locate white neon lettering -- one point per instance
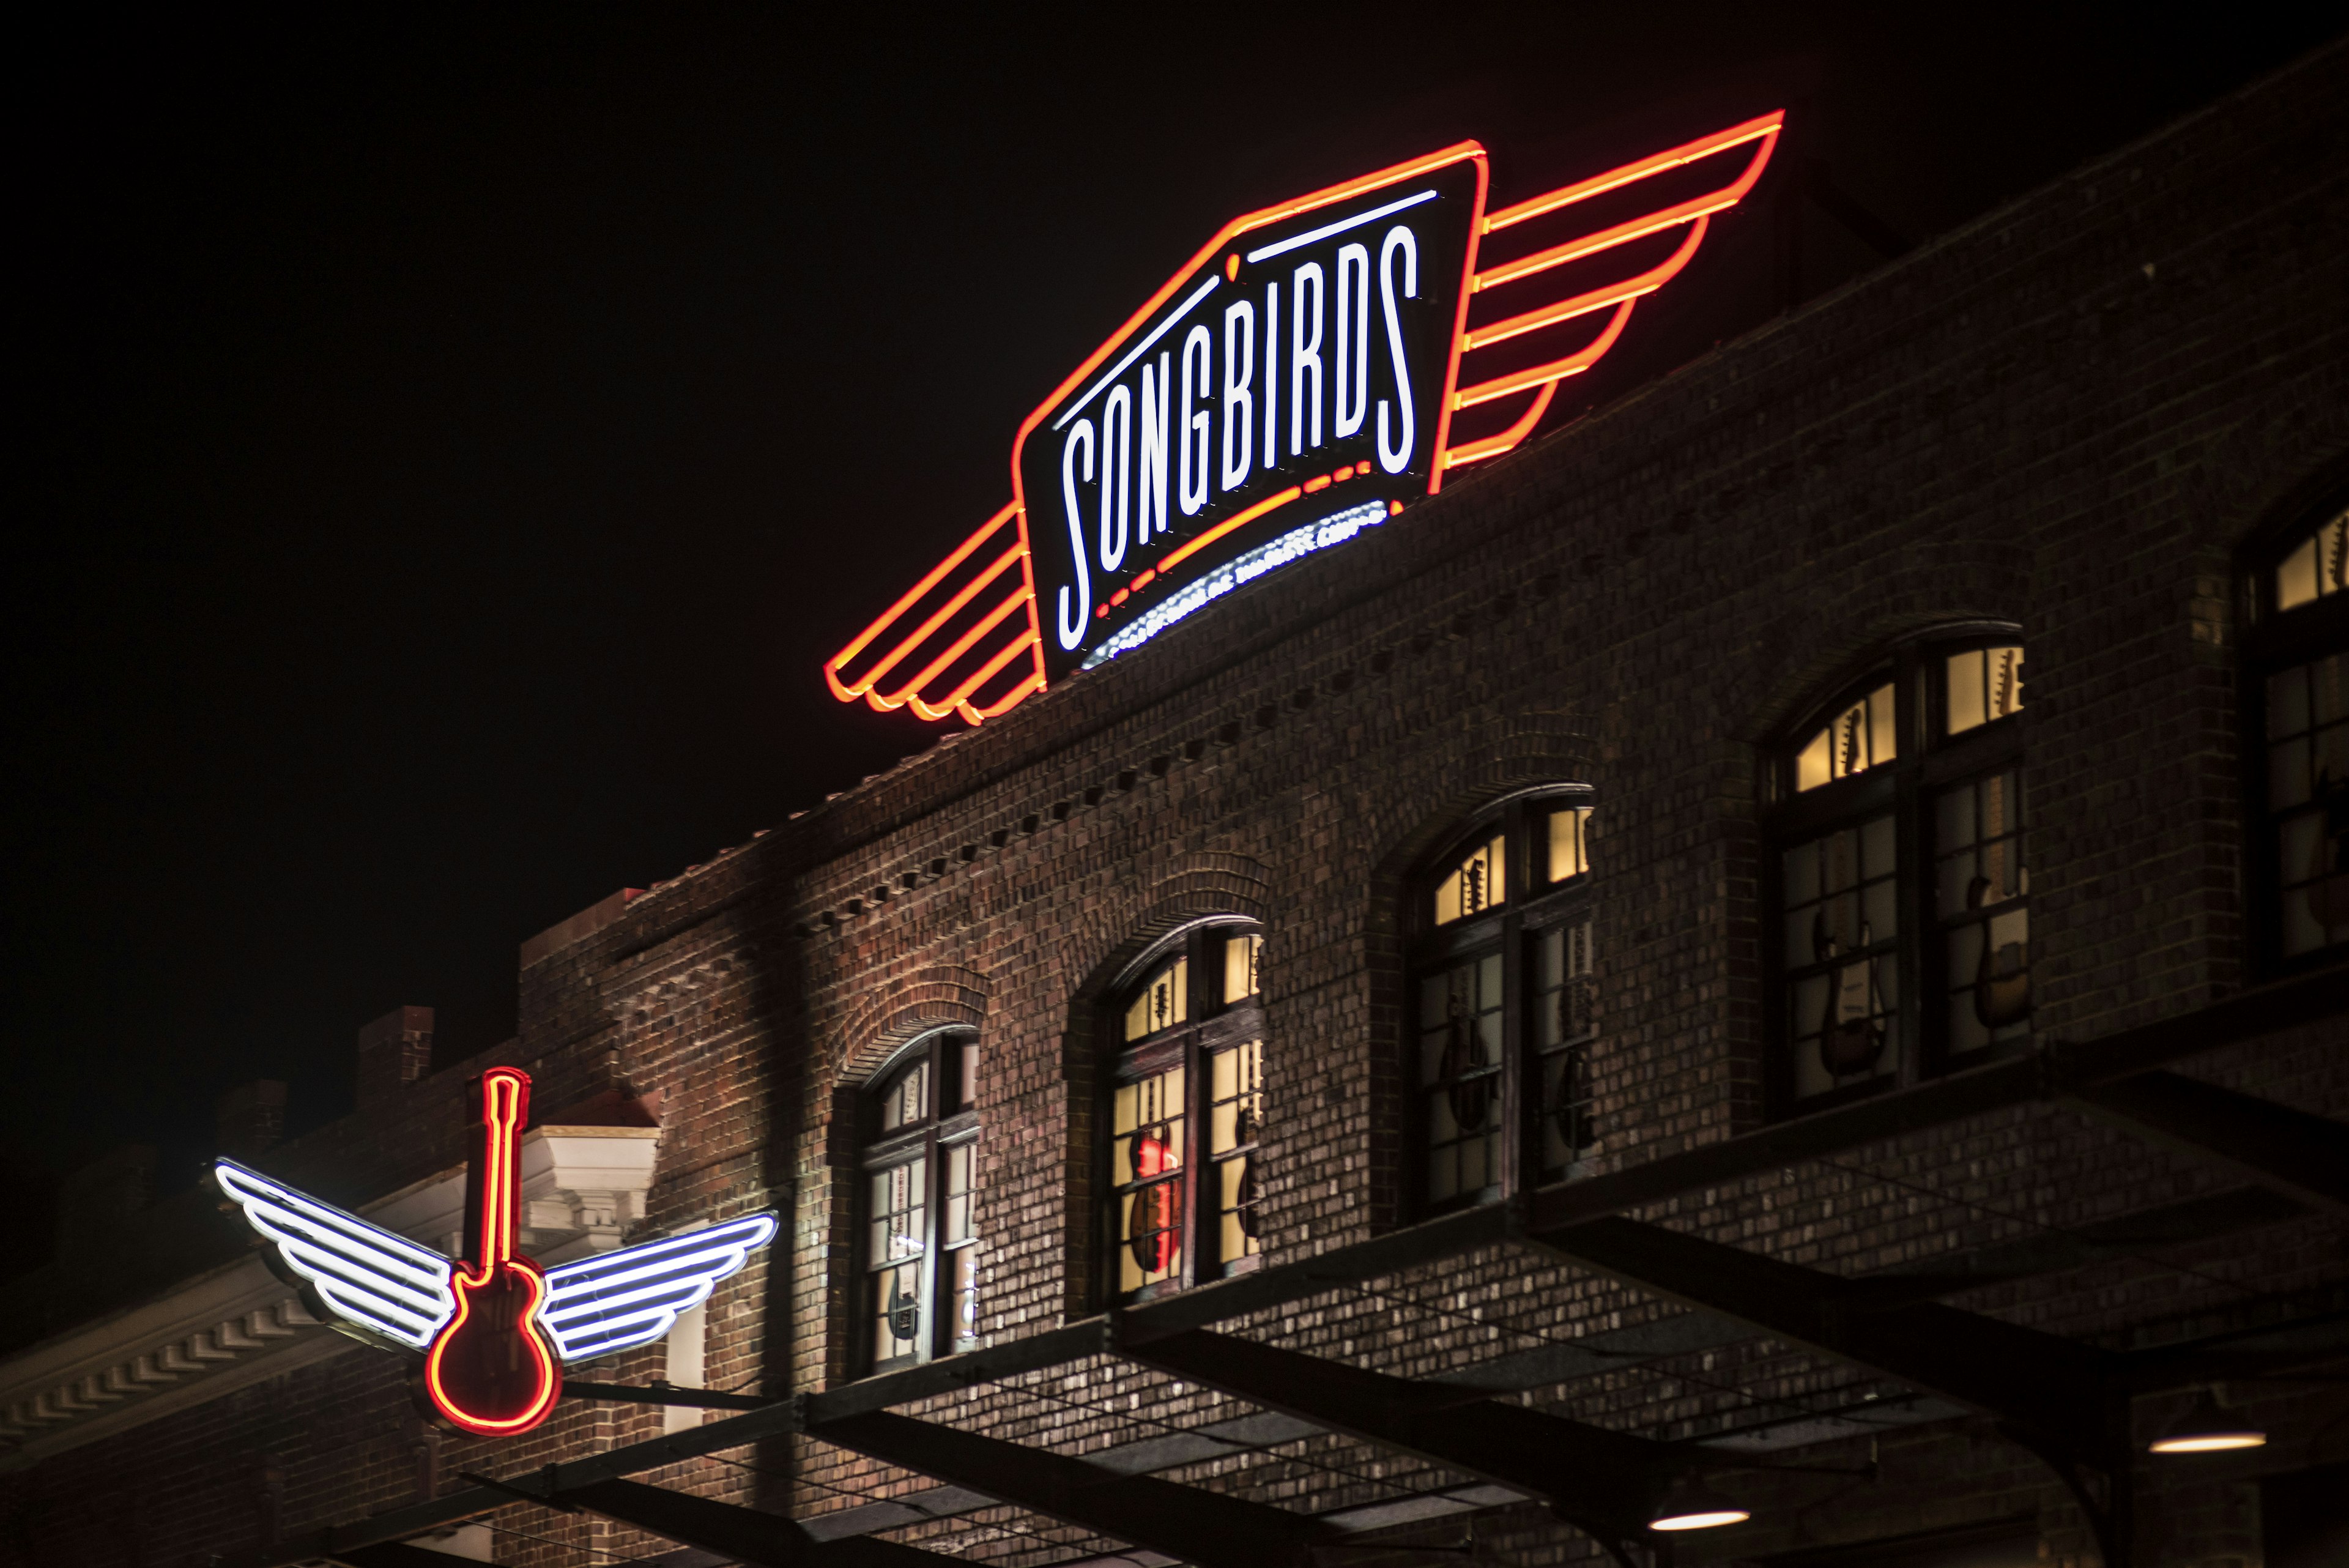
(1240, 401)
(1156, 430)
(1339, 227)
(1139, 350)
(1354, 341)
(1304, 356)
(1195, 424)
(1398, 238)
(1072, 630)
(1117, 473)
(1271, 376)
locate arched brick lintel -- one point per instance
(927, 1000)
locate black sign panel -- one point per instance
(1284, 392)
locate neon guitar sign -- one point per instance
(492, 1331)
(491, 1370)
(1298, 379)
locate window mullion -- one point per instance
(1913, 866)
(1195, 1143)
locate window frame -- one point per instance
(1210, 1027)
(1529, 910)
(1926, 764)
(2273, 639)
(939, 1132)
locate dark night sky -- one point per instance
(448, 443)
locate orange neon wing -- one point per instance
(963, 640)
(1571, 298)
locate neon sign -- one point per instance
(1299, 379)
(493, 1330)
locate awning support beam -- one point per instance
(1582, 1471)
(2304, 1156)
(1211, 1529)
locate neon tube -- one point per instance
(1228, 523)
(1572, 365)
(906, 600)
(1648, 282)
(1339, 227)
(1687, 152)
(1633, 228)
(1137, 351)
(1494, 445)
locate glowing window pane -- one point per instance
(2308, 800)
(1235, 1115)
(1146, 1127)
(967, 1075)
(1841, 917)
(1473, 886)
(906, 1100)
(1460, 1077)
(1861, 737)
(1563, 1016)
(1164, 1002)
(893, 1252)
(961, 1161)
(1980, 888)
(2317, 569)
(1569, 843)
(958, 1238)
(1983, 684)
(897, 1312)
(1240, 955)
(963, 1275)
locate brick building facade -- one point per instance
(1590, 1138)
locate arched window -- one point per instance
(920, 1286)
(1899, 876)
(1503, 995)
(2296, 663)
(1186, 1103)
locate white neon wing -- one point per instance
(371, 1278)
(618, 1301)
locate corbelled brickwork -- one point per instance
(2069, 416)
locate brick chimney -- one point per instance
(394, 1052)
(249, 1118)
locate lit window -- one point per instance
(1861, 737)
(1842, 925)
(1982, 684)
(1473, 886)
(2297, 664)
(1191, 1055)
(1162, 1002)
(1564, 1018)
(1899, 868)
(1504, 913)
(2315, 568)
(921, 1225)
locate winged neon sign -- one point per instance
(493, 1329)
(1305, 374)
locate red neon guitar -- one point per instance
(490, 1369)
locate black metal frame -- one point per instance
(1213, 1026)
(929, 1139)
(1925, 764)
(1531, 911)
